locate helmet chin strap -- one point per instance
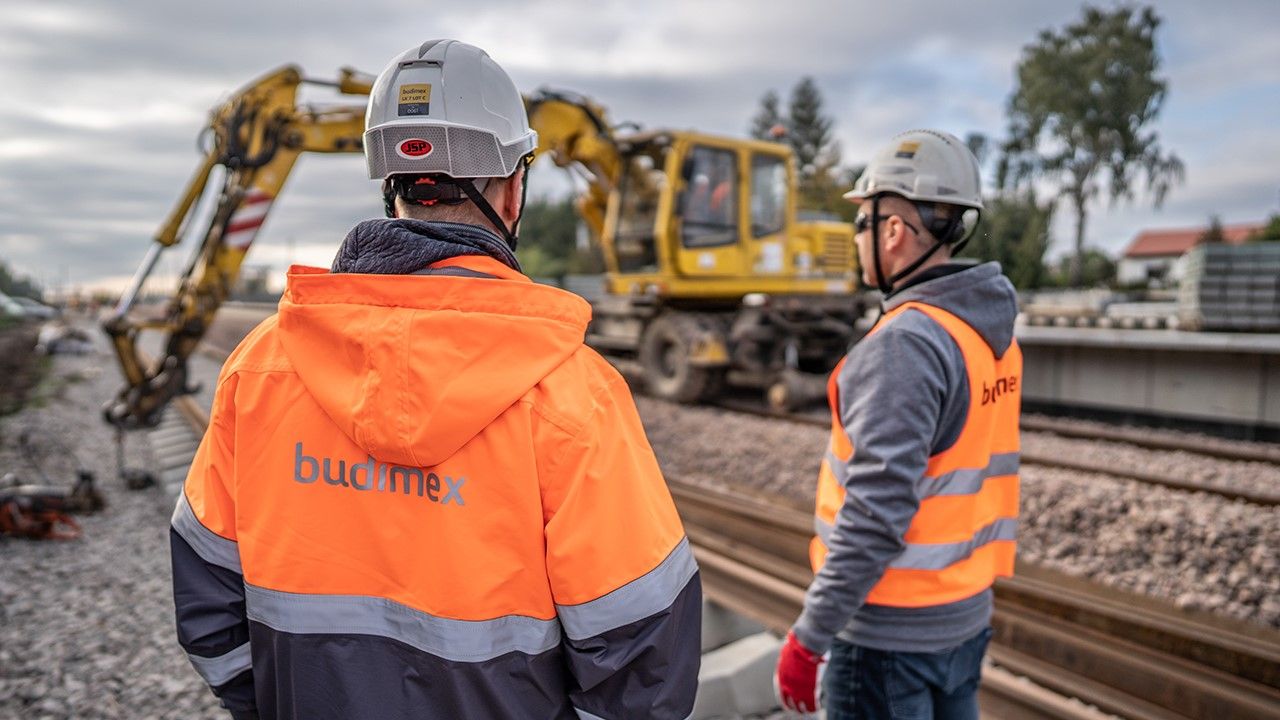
(508, 233)
(885, 285)
(482, 202)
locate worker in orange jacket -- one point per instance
(917, 501)
(420, 495)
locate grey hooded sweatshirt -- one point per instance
(904, 397)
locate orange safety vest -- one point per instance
(963, 535)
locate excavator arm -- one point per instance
(574, 132)
(257, 136)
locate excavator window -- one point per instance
(711, 199)
(768, 195)
(639, 190)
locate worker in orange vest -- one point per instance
(917, 501)
(420, 494)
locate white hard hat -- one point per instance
(446, 107)
(923, 166)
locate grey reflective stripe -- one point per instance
(224, 668)
(823, 530)
(968, 481)
(210, 546)
(584, 715)
(921, 556)
(457, 640)
(454, 270)
(835, 463)
(647, 595)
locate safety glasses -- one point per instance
(862, 222)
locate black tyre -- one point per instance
(664, 355)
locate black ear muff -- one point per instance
(946, 229)
(389, 197)
(949, 230)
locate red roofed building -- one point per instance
(1154, 254)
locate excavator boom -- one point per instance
(256, 137)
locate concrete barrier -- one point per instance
(737, 679)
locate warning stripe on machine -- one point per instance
(246, 220)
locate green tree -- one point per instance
(768, 118)
(808, 130)
(1097, 269)
(1015, 232)
(980, 145)
(1269, 232)
(548, 238)
(1213, 234)
(817, 152)
(15, 286)
(1082, 112)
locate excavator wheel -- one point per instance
(665, 348)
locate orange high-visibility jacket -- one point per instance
(423, 496)
(963, 534)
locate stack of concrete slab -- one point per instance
(1231, 287)
(174, 444)
(738, 658)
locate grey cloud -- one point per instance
(87, 189)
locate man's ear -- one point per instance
(511, 196)
(895, 237)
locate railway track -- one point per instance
(1124, 655)
(1083, 648)
(1153, 440)
(1086, 465)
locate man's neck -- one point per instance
(939, 257)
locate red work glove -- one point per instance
(796, 679)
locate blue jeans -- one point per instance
(866, 683)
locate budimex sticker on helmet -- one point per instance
(415, 99)
(907, 150)
(412, 126)
(413, 148)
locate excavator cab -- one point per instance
(710, 276)
(697, 217)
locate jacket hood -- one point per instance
(412, 367)
(980, 295)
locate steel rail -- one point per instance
(1118, 653)
(1124, 654)
(1223, 450)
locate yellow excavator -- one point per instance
(710, 276)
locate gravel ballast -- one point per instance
(86, 625)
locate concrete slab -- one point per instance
(177, 459)
(721, 626)
(737, 679)
(171, 420)
(172, 445)
(171, 480)
(161, 437)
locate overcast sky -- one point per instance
(103, 99)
